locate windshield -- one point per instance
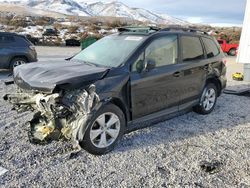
(109, 51)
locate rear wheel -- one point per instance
(232, 52)
(208, 99)
(104, 130)
(17, 61)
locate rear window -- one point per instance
(191, 48)
(211, 47)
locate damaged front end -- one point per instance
(57, 115)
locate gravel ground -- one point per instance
(175, 153)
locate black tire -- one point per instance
(232, 52)
(87, 143)
(15, 60)
(203, 109)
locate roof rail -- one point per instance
(8, 33)
(184, 29)
(149, 29)
(152, 29)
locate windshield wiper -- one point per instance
(90, 63)
(86, 62)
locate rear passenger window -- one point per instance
(211, 47)
(191, 48)
(6, 39)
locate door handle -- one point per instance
(177, 74)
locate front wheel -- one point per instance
(208, 100)
(104, 130)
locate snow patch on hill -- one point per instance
(85, 8)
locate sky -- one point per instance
(214, 12)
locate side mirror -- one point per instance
(150, 65)
(140, 66)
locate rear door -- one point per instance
(193, 68)
(157, 89)
(6, 43)
(214, 58)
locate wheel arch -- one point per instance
(17, 56)
(217, 83)
(232, 48)
(119, 103)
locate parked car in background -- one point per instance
(50, 32)
(120, 83)
(33, 40)
(72, 42)
(228, 48)
(15, 50)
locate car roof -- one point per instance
(9, 33)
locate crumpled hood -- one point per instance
(46, 77)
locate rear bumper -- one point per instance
(223, 77)
(223, 82)
(32, 56)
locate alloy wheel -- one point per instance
(209, 99)
(105, 130)
(18, 62)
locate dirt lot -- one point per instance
(169, 154)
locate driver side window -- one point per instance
(163, 51)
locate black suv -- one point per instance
(15, 50)
(122, 82)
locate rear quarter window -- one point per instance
(191, 48)
(21, 42)
(211, 47)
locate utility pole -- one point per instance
(244, 47)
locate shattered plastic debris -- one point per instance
(2, 171)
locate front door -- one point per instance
(156, 89)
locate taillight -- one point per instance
(32, 48)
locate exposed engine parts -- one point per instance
(58, 115)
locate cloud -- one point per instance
(195, 19)
(196, 11)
